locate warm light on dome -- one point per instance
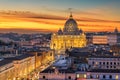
(70, 37)
(71, 27)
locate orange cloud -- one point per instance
(28, 20)
(22, 14)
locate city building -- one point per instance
(101, 67)
(69, 37)
(118, 38)
(116, 48)
(63, 62)
(118, 35)
(55, 74)
(25, 66)
(59, 70)
(112, 39)
(104, 62)
(7, 70)
(100, 39)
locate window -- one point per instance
(92, 62)
(103, 76)
(97, 76)
(114, 66)
(118, 63)
(69, 77)
(103, 63)
(84, 75)
(107, 66)
(100, 63)
(116, 77)
(110, 66)
(78, 75)
(43, 77)
(91, 76)
(114, 63)
(111, 63)
(107, 63)
(50, 54)
(110, 76)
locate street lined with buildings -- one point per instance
(69, 54)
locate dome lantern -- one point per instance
(71, 15)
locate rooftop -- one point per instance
(10, 59)
(105, 70)
(50, 70)
(4, 62)
(19, 57)
(104, 57)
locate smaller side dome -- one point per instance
(80, 31)
(60, 32)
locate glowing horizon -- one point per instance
(47, 16)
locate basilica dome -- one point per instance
(60, 32)
(71, 27)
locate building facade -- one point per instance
(100, 39)
(112, 39)
(104, 62)
(7, 70)
(107, 38)
(69, 37)
(101, 68)
(25, 66)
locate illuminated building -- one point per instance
(21, 67)
(115, 48)
(107, 38)
(6, 70)
(103, 62)
(16, 68)
(118, 35)
(47, 57)
(60, 70)
(112, 39)
(42, 58)
(69, 37)
(101, 68)
(100, 39)
(53, 74)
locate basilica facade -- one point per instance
(71, 36)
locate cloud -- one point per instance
(52, 20)
(31, 15)
(96, 20)
(26, 31)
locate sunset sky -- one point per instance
(30, 16)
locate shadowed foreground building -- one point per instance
(101, 68)
(60, 70)
(25, 66)
(15, 68)
(55, 74)
(69, 37)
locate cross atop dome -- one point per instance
(71, 15)
(70, 10)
